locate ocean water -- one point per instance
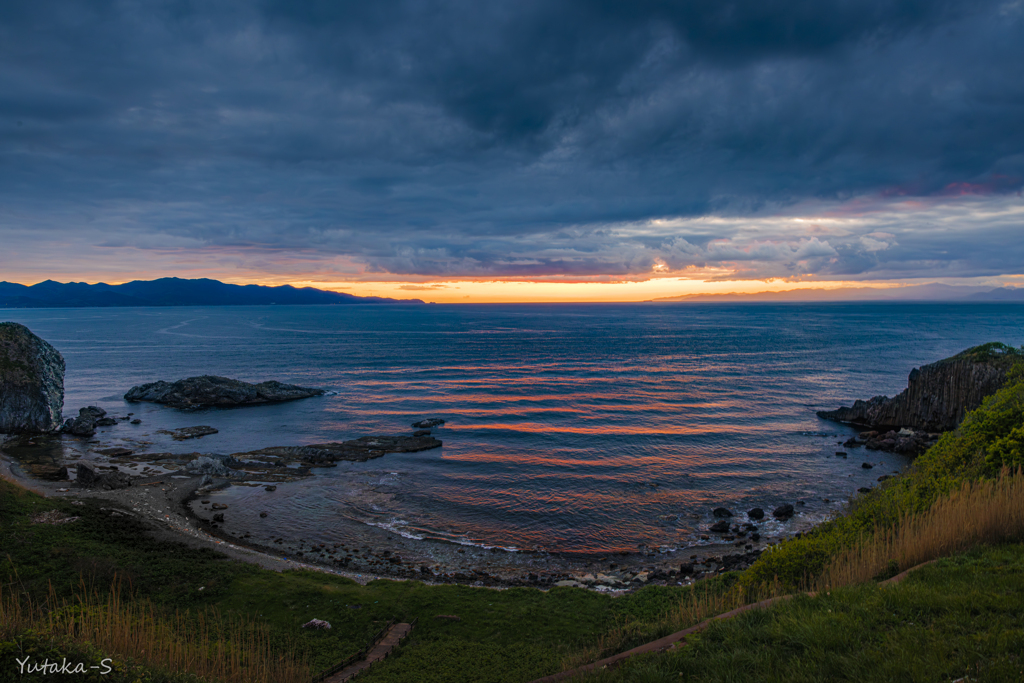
(578, 429)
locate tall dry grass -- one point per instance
(232, 650)
(980, 513)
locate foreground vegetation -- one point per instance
(961, 619)
(101, 587)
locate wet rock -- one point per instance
(219, 506)
(421, 432)
(884, 477)
(219, 517)
(783, 512)
(263, 515)
(864, 489)
(136, 421)
(721, 512)
(214, 391)
(86, 475)
(428, 423)
(720, 527)
(866, 465)
(116, 452)
(363, 448)
(270, 488)
(86, 422)
(755, 513)
(31, 382)
(106, 422)
(183, 433)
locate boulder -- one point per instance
(86, 422)
(86, 475)
(719, 527)
(31, 382)
(783, 512)
(722, 512)
(213, 464)
(755, 513)
(427, 424)
(213, 391)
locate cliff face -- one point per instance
(937, 395)
(31, 382)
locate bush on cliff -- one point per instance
(989, 439)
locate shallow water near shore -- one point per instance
(584, 430)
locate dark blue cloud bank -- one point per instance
(829, 138)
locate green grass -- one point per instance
(963, 616)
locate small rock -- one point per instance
(428, 423)
(219, 517)
(842, 453)
(318, 624)
(864, 489)
(421, 432)
(263, 514)
(270, 488)
(720, 527)
(755, 513)
(136, 421)
(219, 506)
(722, 512)
(783, 512)
(866, 465)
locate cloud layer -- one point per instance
(519, 139)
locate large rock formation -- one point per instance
(938, 395)
(210, 390)
(31, 382)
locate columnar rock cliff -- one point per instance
(31, 382)
(937, 395)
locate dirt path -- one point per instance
(678, 639)
(377, 653)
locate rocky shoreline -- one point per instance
(178, 496)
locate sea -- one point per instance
(576, 429)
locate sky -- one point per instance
(520, 150)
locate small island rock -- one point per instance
(213, 391)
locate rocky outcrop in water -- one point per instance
(221, 392)
(937, 395)
(31, 382)
(363, 448)
(87, 421)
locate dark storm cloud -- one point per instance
(513, 139)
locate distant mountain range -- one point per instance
(929, 292)
(172, 291)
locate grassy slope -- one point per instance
(963, 616)
(509, 635)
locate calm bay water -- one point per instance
(577, 428)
